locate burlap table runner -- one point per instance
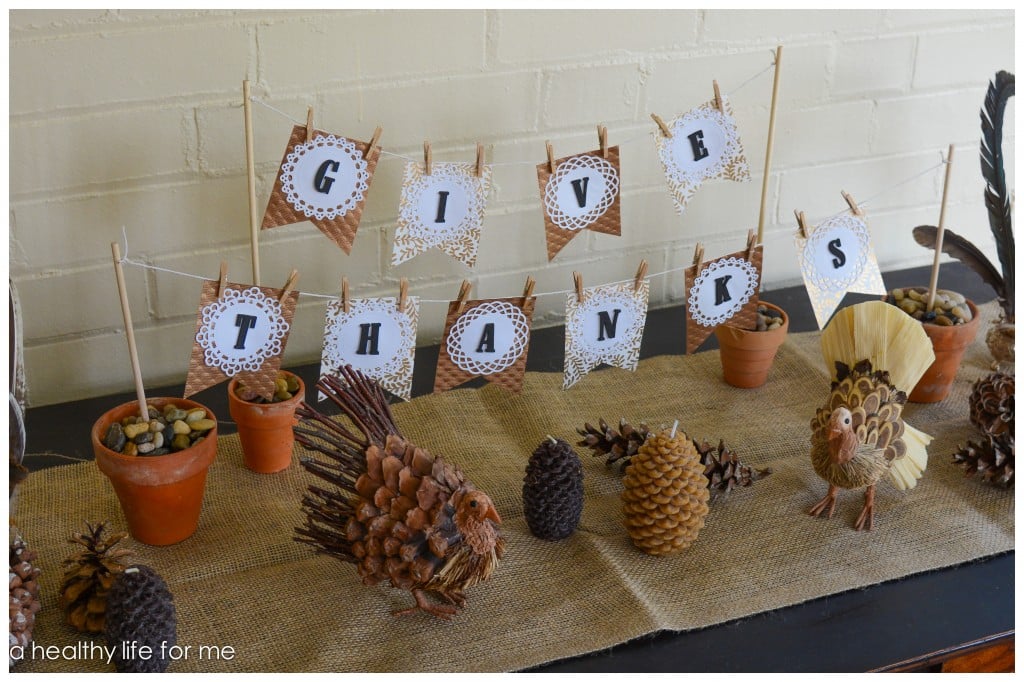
(241, 581)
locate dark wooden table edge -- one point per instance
(943, 655)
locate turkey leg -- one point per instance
(868, 514)
(827, 502)
(424, 604)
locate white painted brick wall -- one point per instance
(133, 118)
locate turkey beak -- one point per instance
(492, 514)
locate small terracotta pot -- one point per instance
(161, 496)
(265, 429)
(949, 344)
(747, 355)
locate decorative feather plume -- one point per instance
(967, 253)
(997, 199)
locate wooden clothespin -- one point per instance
(479, 160)
(463, 295)
(344, 294)
(223, 282)
(801, 221)
(665, 130)
(718, 97)
(551, 156)
(374, 141)
(851, 203)
(293, 277)
(751, 243)
(698, 256)
(426, 157)
(309, 125)
(641, 273)
(577, 280)
(528, 289)
(403, 293)
(602, 140)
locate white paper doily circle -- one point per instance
(560, 196)
(219, 331)
(346, 184)
(817, 261)
(584, 325)
(741, 286)
(511, 335)
(720, 139)
(462, 208)
(396, 335)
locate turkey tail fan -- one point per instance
(997, 199)
(967, 253)
(908, 469)
(883, 334)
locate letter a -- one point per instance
(721, 292)
(579, 187)
(369, 335)
(244, 324)
(486, 344)
(840, 257)
(606, 324)
(697, 143)
(322, 182)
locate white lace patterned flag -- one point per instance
(241, 330)
(702, 144)
(722, 290)
(579, 193)
(604, 324)
(377, 336)
(324, 179)
(486, 338)
(442, 208)
(837, 257)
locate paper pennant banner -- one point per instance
(324, 181)
(605, 327)
(376, 337)
(705, 144)
(489, 338)
(444, 209)
(836, 258)
(241, 333)
(581, 194)
(722, 290)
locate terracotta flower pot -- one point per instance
(161, 496)
(265, 429)
(949, 344)
(747, 355)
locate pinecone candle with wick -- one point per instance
(666, 494)
(88, 576)
(394, 510)
(553, 490)
(140, 609)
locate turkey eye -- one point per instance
(846, 421)
(473, 504)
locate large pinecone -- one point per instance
(990, 456)
(140, 609)
(992, 403)
(666, 494)
(88, 576)
(723, 468)
(24, 596)
(553, 490)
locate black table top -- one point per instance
(853, 631)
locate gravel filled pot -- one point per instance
(951, 330)
(747, 354)
(161, 495)
(265, 428)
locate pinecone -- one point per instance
(992, 403)
(991, 456)
(553, 490)
(140, 609)
(618, 445)
(723, 468)
(88, 576)
(666, 494)
(24, 593)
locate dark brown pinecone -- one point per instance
(992, 403)
(140, 609)
(619, 445)
(723, 468)
(88, 575)
(990, 456)
(553, 490)
(24, 597)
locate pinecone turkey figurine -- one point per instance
(878, 353)
(394, 510)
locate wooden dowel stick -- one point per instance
(250, 167)
(940, 232)
(771, 145)
(129, 332)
